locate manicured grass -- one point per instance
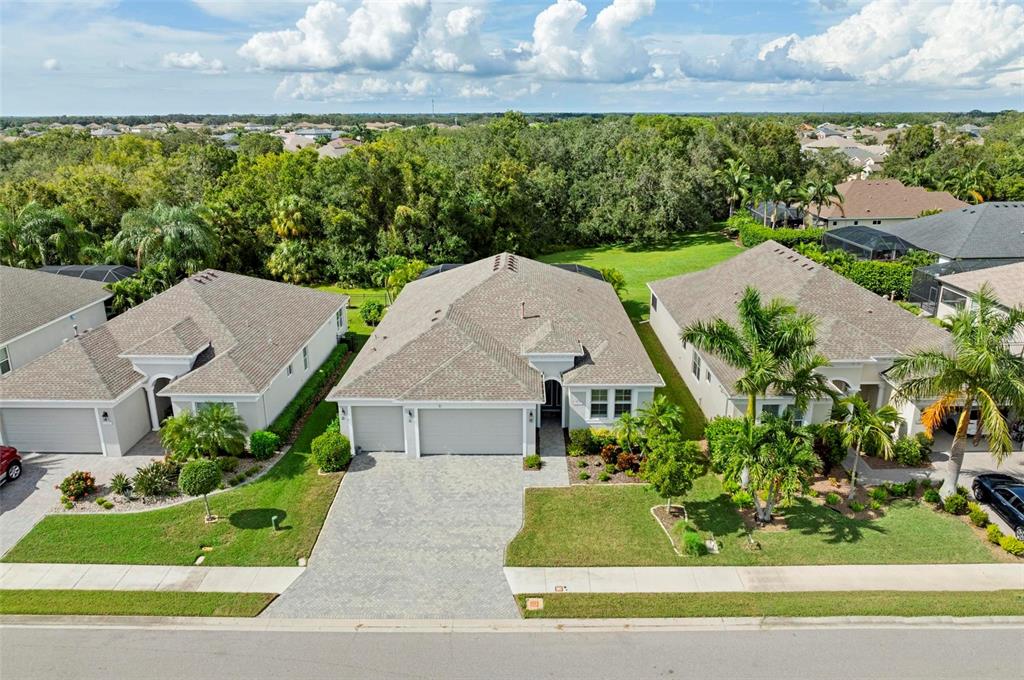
(357, 296)
(675, 389)
(691, 252)
(244, 536)
(131, 603)
(867, 603)
(613, 526)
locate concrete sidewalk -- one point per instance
(147, 577)
(949, 577)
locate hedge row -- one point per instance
(752, 232)
(304, 400)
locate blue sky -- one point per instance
(234, 56)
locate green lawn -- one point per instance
(357, 296)
(675, 390)
(639, 265)
(292, 490)
(613, 526)
(866, 603)
(131, 603)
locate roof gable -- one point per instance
(30, 299)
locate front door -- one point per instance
(552, 396)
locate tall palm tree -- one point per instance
(71, 241)
(805, 382)
(170, 233)
(736, 177)
(978, 371)
(661, 415)
(971, 183)
(36, 235)
(780, 192)
(765, 346)
(822, 194)
(760, 192)
(860, 426)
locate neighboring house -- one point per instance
(214, 337)
(294, 142)
(987, 230)
(338, 147)
(969, 129)
(859, 332)
(467, 360)
(39, 311)
(105, 273)
(880, 202)
(959, 290)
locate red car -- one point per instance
(10, 464)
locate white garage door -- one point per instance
(378, 428)
(470, 430)
(65, 430)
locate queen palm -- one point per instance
(219, 429)
(769, 341)
(170, 233)
(780, 192)
(860, 426)
(760, 192)
(736, 177)
(979, 370)
(822, 194)
(661, 415)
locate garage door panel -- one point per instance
(62, 430)
(378, 428)
(471, 431)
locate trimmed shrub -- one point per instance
(371, 312)
(121, 484)
(603, 438)
(532, 462)
(77, 485)
(581, 442)
(199, 477)
(977, 515)
(717, 431)
(306, 397)
(582, 463)
(908, 451)
(880, 494)
(902, 490)
(925, 441)
(833, 498)
(263, 444)
(228, 463)
(856, 507)
(743, 499)
(331, 451)
(993, 533)
(693, 544)
(627, 460)
(610, 469)
(1012, 545)
(875, 505)
(753, 233)
(584, 476)
(955, 505)
(604, 476)
(932, 496)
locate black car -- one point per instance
(1005, 495)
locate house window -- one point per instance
(654, 302)
(5, 361)
(856, 222)
(770, 410)
(623, 402)
(695, 366)
(339, 318)
(288, 370)
(795, 416)
(835, 224)
(598, 404)
(305, 358)
(876, 221)
(707, 375)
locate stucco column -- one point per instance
(154, 419)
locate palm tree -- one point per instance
(769, 341)
(971, 183)
(822, 194)
(805, 382)
(627, 431)
(219, 429)
(289, 218)
(71, 241)
(170, 233)
(780, 192)
(979, 371)
(31, 235)
(760, 192)
(736, 177)
(860, 426)
(661, 415)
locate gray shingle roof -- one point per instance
(853, 323)
(184, 338)
(985, 230)
(460, 336)
(254, 328)
(1007, 282)
(30, 299)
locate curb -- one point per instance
(510, 625)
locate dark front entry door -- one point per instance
(552, 396)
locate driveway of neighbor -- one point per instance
(27, 499)
(417, 538)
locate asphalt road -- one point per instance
(877, 652)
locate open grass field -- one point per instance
(244, 536)
(862, 603)
(131, 603)
(690, 253)
(613, 526)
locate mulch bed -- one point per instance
(594, 467)
(882, 464)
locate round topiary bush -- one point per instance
(331, 451)
(199, 477)
(263, 444)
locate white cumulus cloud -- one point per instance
(192, 61)
(343, 87)
(379, 34)
(51, 64)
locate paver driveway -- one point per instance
(417, 538)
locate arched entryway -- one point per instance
(552, 397)
(162, 404)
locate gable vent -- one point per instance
(513, 263)
(497, 263)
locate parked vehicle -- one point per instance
(972, 424)
(10, 464)
(1005, 495)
